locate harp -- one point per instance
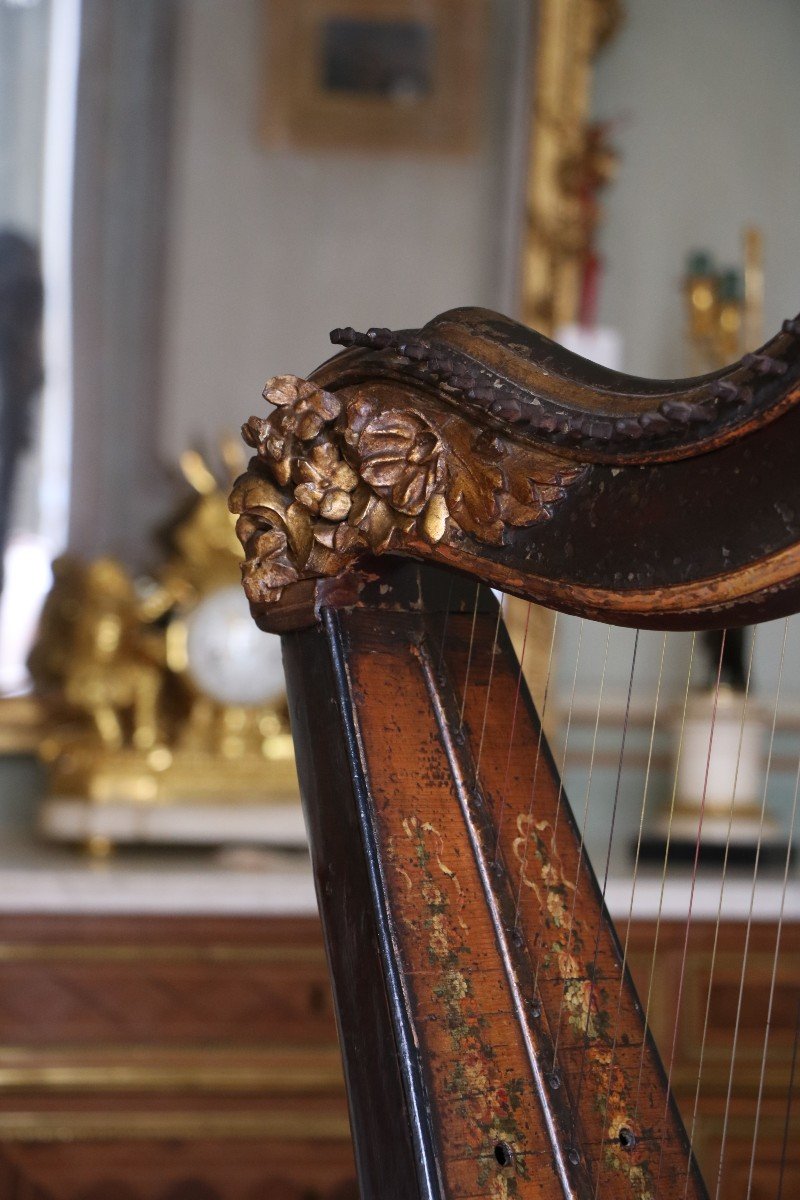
(494, 1043)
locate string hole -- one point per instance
(535, 1009)
(554, 1079)
(573, 1156)
(504, 1155)
(626, 1138)
(316, 998)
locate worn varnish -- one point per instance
(494, 1045)
(518, 1036)
(479, 445)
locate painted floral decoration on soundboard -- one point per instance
(334, 477)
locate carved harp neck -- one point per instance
(494, 1045)
(481, 446)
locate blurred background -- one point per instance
(192, 194)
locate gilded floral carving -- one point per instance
(400, 456)
(324, 482)
(335, 476)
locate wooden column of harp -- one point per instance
(493, 1042)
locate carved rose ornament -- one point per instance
(335, 476)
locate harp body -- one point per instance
(493, 1042)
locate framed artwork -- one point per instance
(375, 75)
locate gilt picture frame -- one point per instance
(375, 75)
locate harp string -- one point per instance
(581, 847)
(528, 839)
(469, 652)
(614, 809)
(565, 754)
(718, 921)
(533, 783)
(746, 948)
(629, 922)
(492, 658)
(692, 890)
(765, 1047)
(652, 969)
(444, 624)
(789, 1097)
(504, 793)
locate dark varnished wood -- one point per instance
(457, 900)
(152, 1058)
(692, 524)
(392, 1151)
(515, 376)
(511, 1021)
(715, 957)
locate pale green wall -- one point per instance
(704, 98)
(269, 249)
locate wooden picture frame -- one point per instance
(568, 35)
(375, 75)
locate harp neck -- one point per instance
(477, 445)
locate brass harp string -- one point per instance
(584, 822)
(445, 623)
(542, 715)
(520, 675)
(614, 809)
(492, 659)
(692, 891)
(642, 810)
(718, 921)
(653, 956)
(469, 652)
(562, 768)
(748, 929)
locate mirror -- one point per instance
(189, 250)
(38, 64)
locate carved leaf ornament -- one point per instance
(336, 476)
